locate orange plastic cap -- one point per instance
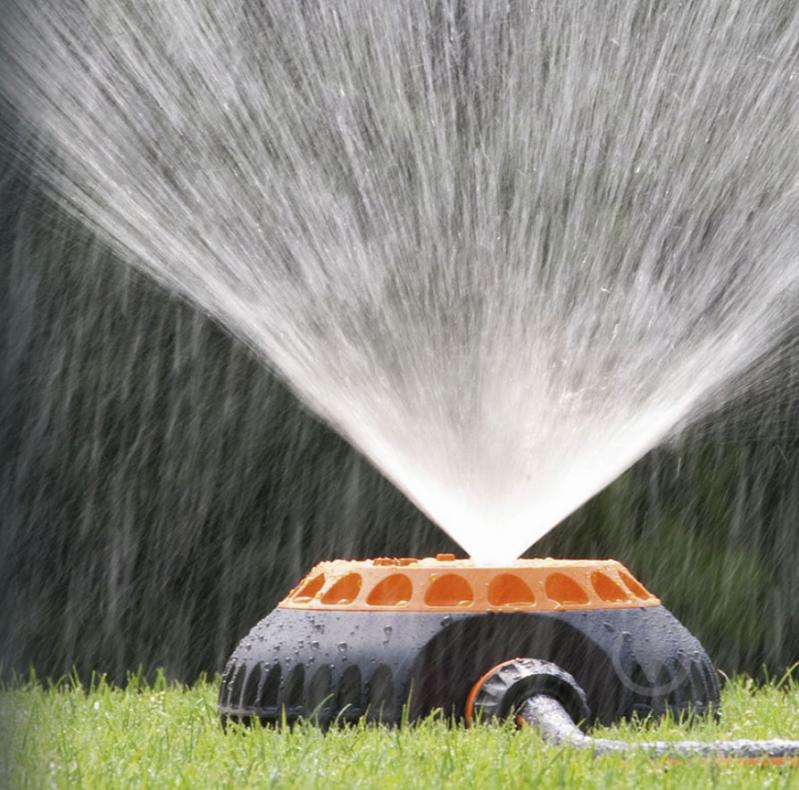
(447, 584)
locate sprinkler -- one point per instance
(559, 644)
(369, 638)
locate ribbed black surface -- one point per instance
(337, 665)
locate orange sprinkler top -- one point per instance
(443, 583)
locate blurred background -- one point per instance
(160, 490)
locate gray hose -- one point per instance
(551, 720)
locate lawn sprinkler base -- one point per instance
(388, 638)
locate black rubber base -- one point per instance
(338, 665)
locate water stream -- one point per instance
(504, 248)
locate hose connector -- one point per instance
(545, 697)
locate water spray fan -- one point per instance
(559, 644)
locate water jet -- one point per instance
(505, 249)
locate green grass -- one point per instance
(166, 735)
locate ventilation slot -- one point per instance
(349, 693)
(309, 590)
(712, 681)
(508, 589)
(237, 686)
(320, 692)
(449, 590)
(700, 689)
(250, 696)
(395, 590)
(381, 693)
(607, 589)
(344, 591)
(633, 586)
(680, 692)
(294, 687)
(563, 589)
(270, 689)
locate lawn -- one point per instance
(165, 735)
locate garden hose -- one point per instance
(553, 723)
(548, 699)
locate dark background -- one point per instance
(160, 490)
